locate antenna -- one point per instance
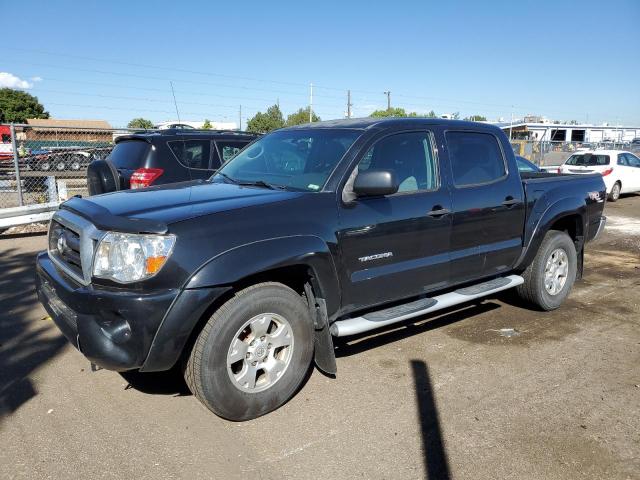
(184, 144)
(174, 101)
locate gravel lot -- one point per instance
(452, 396)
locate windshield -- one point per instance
(588, 160)
(525, 165)
(295, 159)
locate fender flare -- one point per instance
(541, 220)
(242, 261)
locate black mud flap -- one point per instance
(324, 355)
(580, 269)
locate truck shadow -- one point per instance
(436, 463)
(170, 382)
(26, 343)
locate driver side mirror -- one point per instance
(375, 183)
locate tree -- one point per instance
(266, 122)
(17, 106)
(207, 124)
(140, 123)
(455, 115)
(476, 118)
(393, 112)
(431, 114)
(300, 117)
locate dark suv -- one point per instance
(153, 158)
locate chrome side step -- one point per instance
(373, 320)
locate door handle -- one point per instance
(510, 202)
(438, 212)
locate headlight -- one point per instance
(127, 257)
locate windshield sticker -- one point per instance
(313, 186)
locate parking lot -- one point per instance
(490, 390)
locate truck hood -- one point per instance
(171, 203)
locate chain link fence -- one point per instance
(546, 153)
(41, 165)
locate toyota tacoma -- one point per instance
(312, 232)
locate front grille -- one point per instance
(72, 240)
(64, 246)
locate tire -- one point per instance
(44, 166)
(534, 289)
(219, 384)
(76, 163)
(615, 192)
(60, 165)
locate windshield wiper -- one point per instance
(261, 183)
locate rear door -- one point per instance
(128, 156)
(633, 166)
(488, 206)
(396, 246)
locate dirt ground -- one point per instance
(482, 392)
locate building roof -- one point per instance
(519, 124)
(58, 123)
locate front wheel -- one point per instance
(549, 278)
(253, 353)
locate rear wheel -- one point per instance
(615, 192)
(253, 354)
(549, 278)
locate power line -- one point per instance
(163, 79)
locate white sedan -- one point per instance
(620, 170)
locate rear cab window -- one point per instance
(192, 153)
(476, 158)
(129, 154)
(588, 160)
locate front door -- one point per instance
(397, 246)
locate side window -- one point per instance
(622, 160)
(229, 148)
(632, 160)
(409, 155)
(475, 158)
(192, 153)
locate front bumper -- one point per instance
(113, 328)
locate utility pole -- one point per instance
(388, 94)
(349, 104)
(310, 102)
(240, 117)
(511, 124)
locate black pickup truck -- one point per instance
(312, 232)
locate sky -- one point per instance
(566, 60)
